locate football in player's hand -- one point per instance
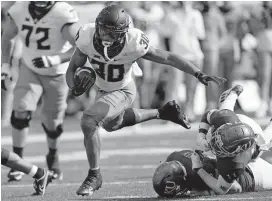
(84, 79)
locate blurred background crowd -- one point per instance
(227, 39)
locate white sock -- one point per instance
(33, 171)
(229, 102)
(95, 168)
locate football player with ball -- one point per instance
(112, 48)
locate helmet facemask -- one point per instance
(225, 149)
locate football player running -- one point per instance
(179, 176)
(41, 176)
(45, 27)
(112, 48)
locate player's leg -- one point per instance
(42, 176)
(106, 108)
(262, 172)
(53, 111)
(132, 116)
(7, 96)
(267, 156)
(26, 95)
(191, 85)
(229, 97)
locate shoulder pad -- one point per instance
(66, 12)
(138, 41)
(15, 10)
(84, 36)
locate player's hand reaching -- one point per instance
(205, 79)
(46, 61)
(6, 77)
(197, 158)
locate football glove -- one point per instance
(205, 79)
(197, 158)
(202, 142)
(80, 87)
(46, 61)
(6, 78)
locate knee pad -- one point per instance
(20, 123)
(53, 134)
(4, 156)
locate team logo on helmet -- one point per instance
(169, 179)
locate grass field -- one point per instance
(128, 161)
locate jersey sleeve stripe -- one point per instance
(204, 125)
(204, 131)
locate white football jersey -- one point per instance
(43, 37)
(117, 73)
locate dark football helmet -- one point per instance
(231, 139)
(41, 6)
(111, 24)
(169, 179)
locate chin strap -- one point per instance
(106, 45)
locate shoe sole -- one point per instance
(226, 93)
(85, 194)
(45, 183)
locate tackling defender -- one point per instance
(42, 176)
(112, 47)
(177, 175)
(235, 140)
(237, 147)
(45, 27)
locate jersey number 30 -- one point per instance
(109, 72)
(44, 31)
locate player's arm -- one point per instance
(219, 186)
(9, 32)
(78, 59)
(204, 126)
(177, 61)
(69, 31)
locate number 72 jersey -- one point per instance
(116, 73)
(42, 37)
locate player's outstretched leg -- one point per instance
(132, 116)
(42, 176)
(228, 98)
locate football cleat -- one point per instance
(171, 112)
(92, 182)
(41, 184)
(53, 165)
(238, 89)
(15, 175)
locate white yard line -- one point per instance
(78, 184)
(105, 154)
(160, 129)
(145, 130)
